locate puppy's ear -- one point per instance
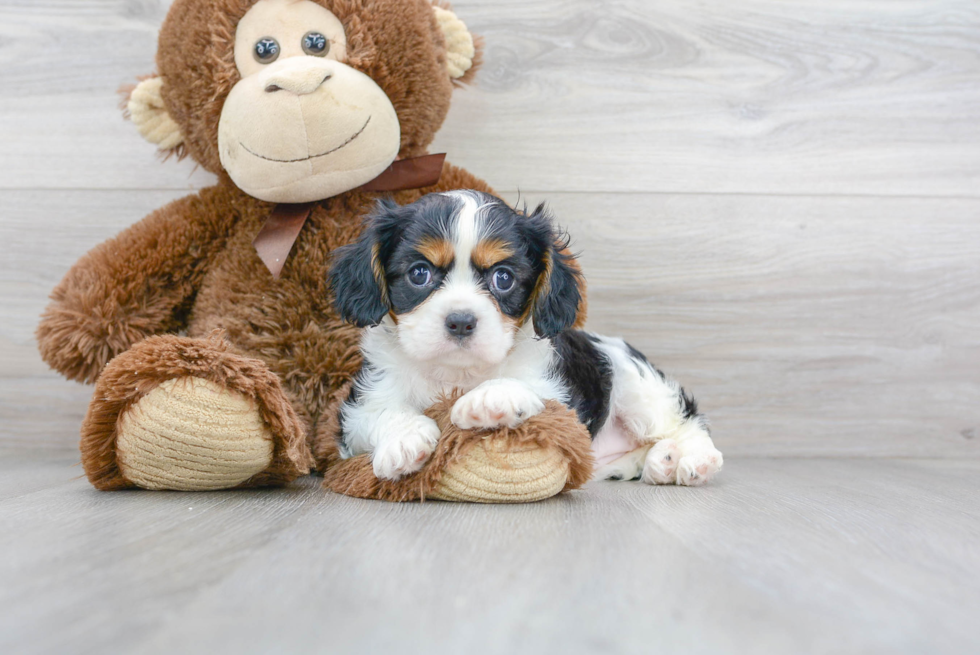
(556, 296)
(357, 276)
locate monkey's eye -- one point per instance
(316, 44)
(420, 275)
(503, 280)
(266, 50)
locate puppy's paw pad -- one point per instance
(496, 403)
(407, 452)
(695, 470)
(661, 463)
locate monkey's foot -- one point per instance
(190, 415)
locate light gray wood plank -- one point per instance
(759, 97)
(806, 326)
(26, 471)
(41, 235)
(107, 569)
(60, 121)
(777, 556)
(42, 413)
(765, 96)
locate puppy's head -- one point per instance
(460, 274)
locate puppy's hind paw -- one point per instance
(661, 463)
(694, 470)
(406, 452)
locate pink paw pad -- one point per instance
(661, 463)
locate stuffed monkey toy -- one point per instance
(207, 327)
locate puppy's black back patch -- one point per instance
(588, 374)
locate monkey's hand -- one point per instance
(130, 287)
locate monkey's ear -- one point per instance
(464, 53)
(146, 109)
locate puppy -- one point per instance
(459, 291)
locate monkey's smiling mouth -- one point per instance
(322, 154)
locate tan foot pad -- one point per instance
(495, 472)
(548, 454)
(190, 434)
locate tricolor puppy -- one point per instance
(459, 291)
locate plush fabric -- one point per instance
(190, 266)
(267, 18)
(397, 43)
(144, 106)
(460, 47)
(192, 434)
(361, 142)
(548, 454)
(139, 371)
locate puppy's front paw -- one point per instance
(407, 450)
(496, 403)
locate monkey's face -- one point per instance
(302, 124)
(301, 100)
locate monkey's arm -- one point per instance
(140, 283)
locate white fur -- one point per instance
(399, 387)
(422, 334)
(499, 402)
(416, 439)
(504, 373)
(647, 404)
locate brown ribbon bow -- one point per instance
(276, 238)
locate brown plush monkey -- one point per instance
(302, 108)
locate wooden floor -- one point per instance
(778, 201)
(780, 556)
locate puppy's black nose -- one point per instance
(460, 324)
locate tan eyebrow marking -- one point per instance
(438, 251)
(490, 251)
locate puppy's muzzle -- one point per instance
(461, 324)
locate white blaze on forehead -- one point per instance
(467, 230)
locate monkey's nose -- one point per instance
(460, 324)
(300, 82)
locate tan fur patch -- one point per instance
(438, 251)
(490, 251)
(541, 287)
(379, 272)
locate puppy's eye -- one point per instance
(503, 280)
(266, 50)
(420, 275)
(316, 44)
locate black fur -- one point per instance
(358, 296)
(557, 305)
(688, 405)
(588, 374)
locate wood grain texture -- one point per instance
(805, 325)
(763, 96)
(777, 201)
(779, 556)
